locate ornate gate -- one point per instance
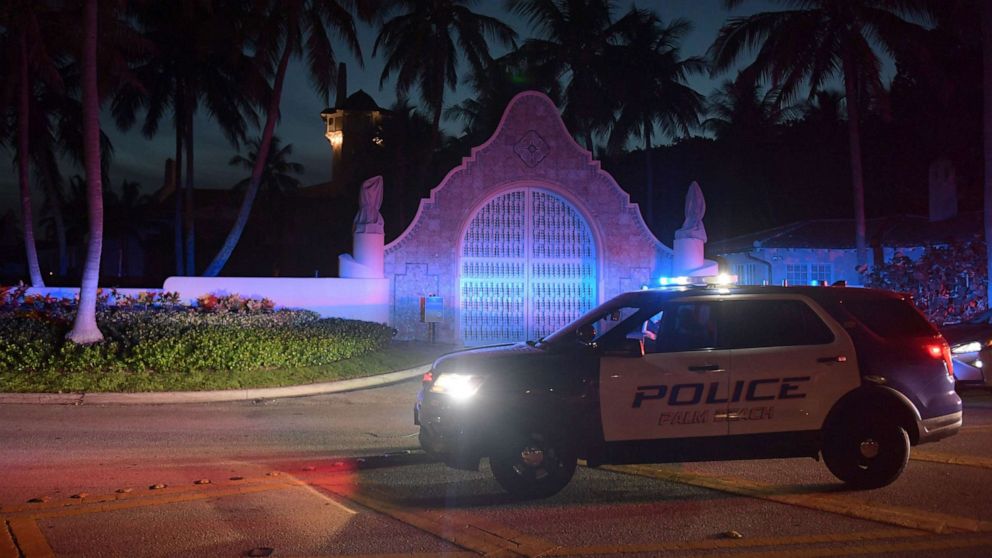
(528, 266)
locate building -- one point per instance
(352, 126)
(823, 249)
(528, 233)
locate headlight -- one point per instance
(457, 386)
(972, 347)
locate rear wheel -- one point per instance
(533, 465)
(867, 452)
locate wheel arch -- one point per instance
(874, 399)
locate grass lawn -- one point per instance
(398, 355)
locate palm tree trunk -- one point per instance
(177, 190)
(648, 175)
(272, 116)
(857, 176)
(84, 328)
(23, 168)
(190, 223)
(987, 131)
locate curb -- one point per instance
(218, 396)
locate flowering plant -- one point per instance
(948, 282)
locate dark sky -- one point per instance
(143, 160)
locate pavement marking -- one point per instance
(7, 547)
(480, 537)
(899, 548)
(952, 459)
(29, 539)
(797, 496)
(328, 499)
(723, 544)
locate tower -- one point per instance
(352, 126)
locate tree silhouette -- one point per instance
(651, 92)
(818, 40)
(424, 44)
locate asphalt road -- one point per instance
(339, 475)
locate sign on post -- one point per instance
(431, 308)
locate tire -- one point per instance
(866, 452)
(533, 465)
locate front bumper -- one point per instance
(454, 432)
(936, 428)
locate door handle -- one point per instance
(837, 358)
(706, 368)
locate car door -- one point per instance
(790, 362)
(678, 387)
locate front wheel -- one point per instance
(533, 465)
(869, 452)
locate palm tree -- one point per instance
(277, 173)
(740, 113)
(282, 31)
(650, 87)
(577, 35)
(494, 87)
(421, 48)
(56, 130)
(125, 212)
(198, 61)
(818, 40)
(84, 328)
(32, 48)
(747, 121)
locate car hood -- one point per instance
(483, 360)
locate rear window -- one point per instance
(889, 317)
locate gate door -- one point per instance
(528, 266)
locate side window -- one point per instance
(772, 323)
(686, 326)
(612, 319)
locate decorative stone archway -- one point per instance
(597, 247)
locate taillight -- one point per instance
(428, 378)
(943, 351)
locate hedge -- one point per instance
(235, 335)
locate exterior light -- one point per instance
(336, 137)
(458, 386)
(972, 347)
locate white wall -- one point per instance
(357, 299)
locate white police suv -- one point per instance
(697, 373)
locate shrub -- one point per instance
(158, 335)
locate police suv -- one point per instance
(699, 373)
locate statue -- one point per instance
(369, 220)
(367, 259)
(695, 207)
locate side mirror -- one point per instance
(586, 333)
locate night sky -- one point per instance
(143, 160)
